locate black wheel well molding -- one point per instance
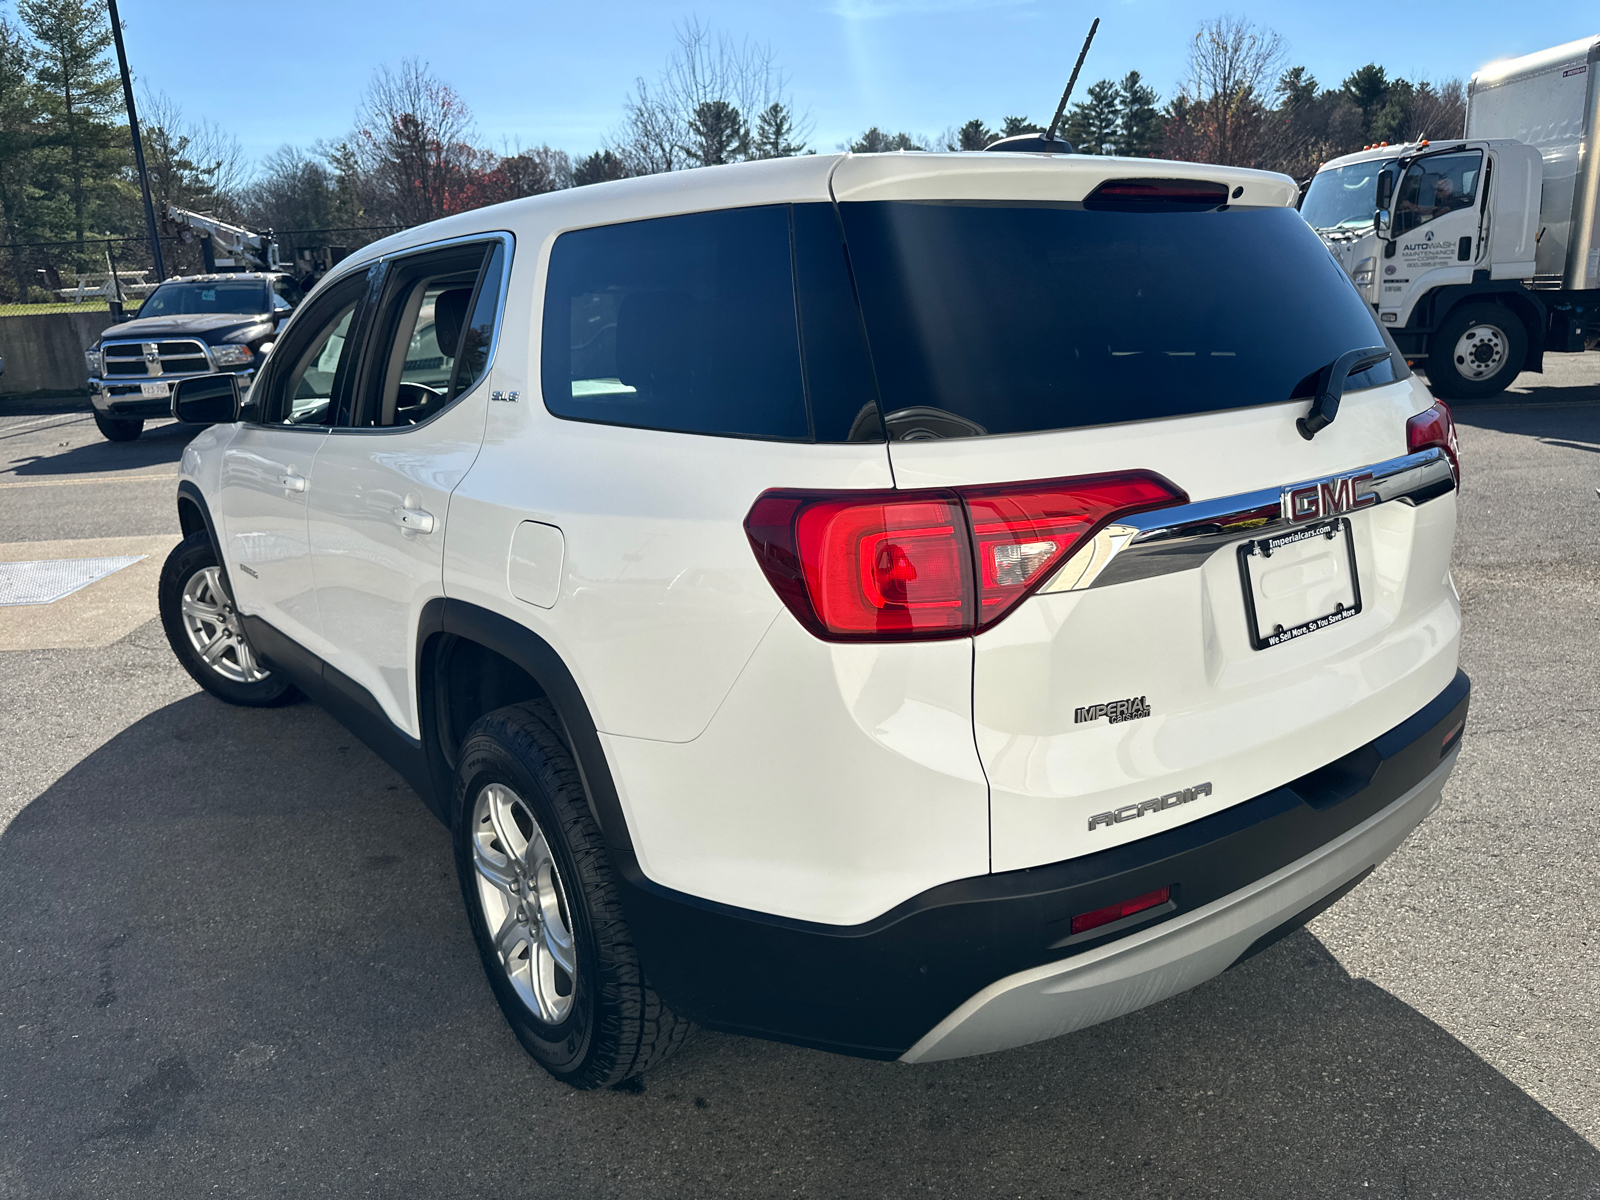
(454, 640)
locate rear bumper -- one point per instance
(1175, 955)
(986, 963)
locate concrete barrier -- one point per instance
(44, 351)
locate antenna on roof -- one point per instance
(1076, 67)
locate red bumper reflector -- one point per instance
(1123, 908)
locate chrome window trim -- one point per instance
(505, 238)
(1167, 540)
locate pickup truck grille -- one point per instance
(141, 360)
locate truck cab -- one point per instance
(1432, 234)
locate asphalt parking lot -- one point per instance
(234, 960)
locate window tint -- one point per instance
(844, 402)
(1434, 186)
(307, 369)
(432, 333)
(989, 318)
(681, 323)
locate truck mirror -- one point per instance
(1380, 222)
(206, 400)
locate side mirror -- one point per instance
(206, 400)
(1380, 222)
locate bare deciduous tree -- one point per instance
(414, 143)
(702, 106)
(1218, 113)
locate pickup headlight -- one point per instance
(231, 356)
(91, 360)
(1365, 269)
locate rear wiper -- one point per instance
(1326, 406)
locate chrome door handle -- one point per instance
(292, 483)
(414, 519)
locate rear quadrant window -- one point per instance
(678, 323)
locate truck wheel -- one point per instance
(1477, 352)
(203, 629)
(544, 909)
(118, 429)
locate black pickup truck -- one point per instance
(191, 325)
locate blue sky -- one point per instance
(557, 73)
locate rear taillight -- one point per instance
(1435, 427)
(900, 565)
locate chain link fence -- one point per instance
(113, 273)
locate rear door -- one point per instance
(380, 511)
(1023, 329)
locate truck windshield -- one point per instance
(987, 318)
(1345, 197)
(196, 299)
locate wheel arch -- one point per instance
(1526, 307)
(471, 661)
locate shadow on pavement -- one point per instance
(235, 960)
(158, 444)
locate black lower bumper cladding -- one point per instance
(874, 989)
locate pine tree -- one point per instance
(876, 141)
(1012, 126)
(1093, 124)
(974, 135)
(79, 92)
(19, 137)
(1138, 119)
(600, 167)
(775, 133)
(1368, 90)
(717, 134)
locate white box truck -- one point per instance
(1481, 253)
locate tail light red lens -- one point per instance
(1435, 427)
(893, 566)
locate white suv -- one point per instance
(909, 605)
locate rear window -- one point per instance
(988, 318)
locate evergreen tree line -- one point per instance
(414, 152)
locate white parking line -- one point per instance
(91, 479)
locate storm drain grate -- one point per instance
(47, 582)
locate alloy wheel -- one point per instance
(524, 903)
(214, 631)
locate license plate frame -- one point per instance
(1259, 551)
(155, 391)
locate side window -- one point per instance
(310, 365)
(679, 323)
(1435, 186)
(432, 334)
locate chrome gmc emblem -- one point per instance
(1328, 497)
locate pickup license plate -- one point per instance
(1299, 582)
(155, 390)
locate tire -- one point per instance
(197, 613)
(118, 429)
(570, 984)
(1477, 352)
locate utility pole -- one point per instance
(138, 147)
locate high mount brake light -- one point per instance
(1169, 191)
(1435, 427)
(938, 563)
